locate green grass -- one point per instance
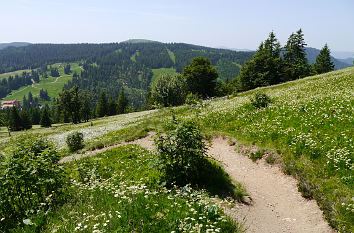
(52, 84)
(119, 191)
(159, 72)
(18, 72)
(172, 56)
(310, 123)
(134, 55)
(239, 66)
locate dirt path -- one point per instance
(146, 142)
(276, 206)
(56, 80)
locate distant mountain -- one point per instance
(312, 53)
(348, 60)
(342, 54)
(129, 65)
(137, 41)
(234, 49)
(13, 44)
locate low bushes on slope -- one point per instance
(119, 191)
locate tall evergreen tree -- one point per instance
(323, 61)
(35, 116)
(295, 56)
(102, 105)
(75, 103)
(30, 98)
(112, 107)
(15, 122)
(67, 69)
(85, 111)
(25, 119)
(69, 104)
(122, 103)
(45, 118)
(266, 66)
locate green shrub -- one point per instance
(260, 100)
(75, 141)
(257, 155)
(184, 161)
(31, 180)
(182, 152)
(193, 99)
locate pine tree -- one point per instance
(67, 69)
(295, 57)
(323, 61)
(30, 98)
(85, 111)
(112, 107)
(45, 118)
(102, 105)
(122, 103)
(265, 68)
(25, 119)
(15, 122)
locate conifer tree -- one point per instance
(122, 103)
(45, 118)
(25, 119)
(295, 56)
(266, 66)
(323, 61)
(85, 111)
(15, 122)
(102, 105)
(112, 107)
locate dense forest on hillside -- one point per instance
(36, 55)
(117, 66)
(130, 65)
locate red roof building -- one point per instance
(10, 103)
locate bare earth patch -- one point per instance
(276, 204)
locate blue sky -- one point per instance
(234, 24)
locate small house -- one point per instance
(10, 104)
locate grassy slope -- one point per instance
(172, 56)
(125, 196)
(310, 124)
(158, 72)
(134, 55)
(18, 72)
(50, 84)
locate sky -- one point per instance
(223, 23)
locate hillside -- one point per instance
(130, 65)
(348, 60)
(53, 85)
(307, 130)
(13, 44)
(312, 53)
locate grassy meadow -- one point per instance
(309, 124)
(17, 72)
(52, 84)
(161, 71)
(308, 128)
